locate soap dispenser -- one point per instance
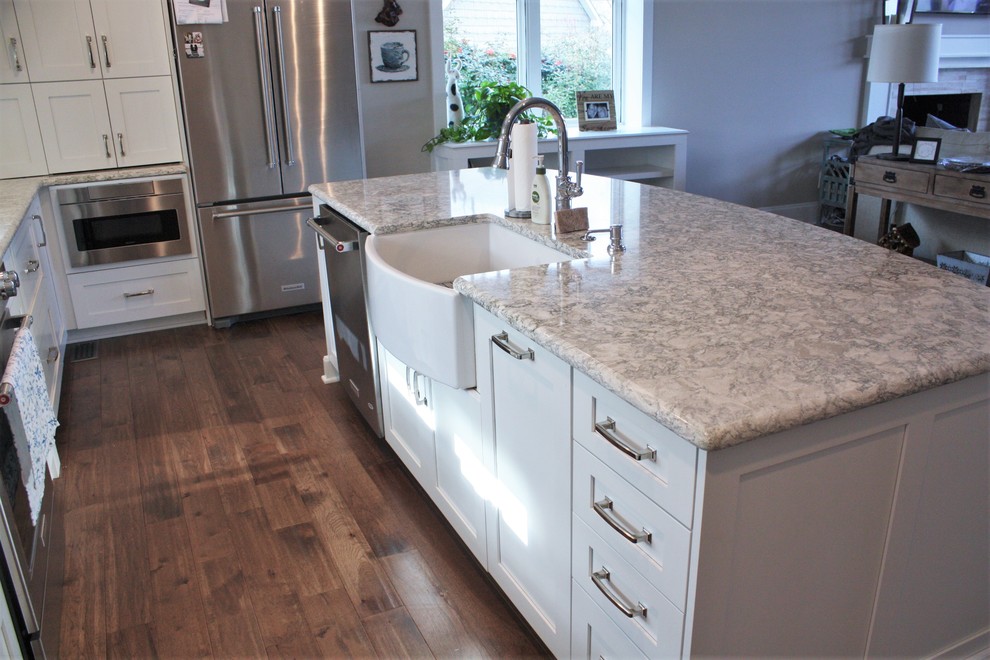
(540, 207)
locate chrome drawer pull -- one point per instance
(89, 47)
(502, 341)
(890, 177)
(17, 58)
(120, 141)
(605, 429)
(106, 145)
(146, 292)
(603, 507)
(106, 50)
(600, 578)
(979, 192)
(33, 265)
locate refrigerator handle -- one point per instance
(266, 90)
(286, 115)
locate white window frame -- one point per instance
(632, 57)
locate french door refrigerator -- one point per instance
(271, 106)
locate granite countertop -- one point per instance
(722, 322)
(16, 194)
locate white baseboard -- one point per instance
(134, 327)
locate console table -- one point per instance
(650, 154)
(915, 183)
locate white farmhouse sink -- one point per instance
(426, 325)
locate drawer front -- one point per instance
(603, 421)
(642, 533)
(594, 635)
(136, 293)
(964, 189)
(893, 177)
(656, 626)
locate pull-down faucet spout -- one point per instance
(566, 189)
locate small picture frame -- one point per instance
(926, 150)
(393, 55)
(596, 110)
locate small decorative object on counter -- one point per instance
(389, 15)
(540, 208)
(901, 238)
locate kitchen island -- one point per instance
(835, 395)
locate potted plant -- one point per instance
(490, 104)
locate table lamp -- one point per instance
(902, 54)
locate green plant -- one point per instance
(484, 114)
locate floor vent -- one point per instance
(82, 351)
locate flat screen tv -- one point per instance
(953, 7)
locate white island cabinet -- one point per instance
(435, 430)
(832, 538)
(525, 394)
(681, 460)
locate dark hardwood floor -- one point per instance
(219, 500)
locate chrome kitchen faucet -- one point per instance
(566, 189)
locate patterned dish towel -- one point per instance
(31, 416)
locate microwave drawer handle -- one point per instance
(135, 294)
(275, 209)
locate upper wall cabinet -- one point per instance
(92, 39)
(92, 124)
(13, 68)
(20, 136)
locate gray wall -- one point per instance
(397, 116)
(757, 82)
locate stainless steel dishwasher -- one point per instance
(357, 360)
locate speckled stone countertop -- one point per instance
(16, 194)
(722, 322)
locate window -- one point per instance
(552, 47)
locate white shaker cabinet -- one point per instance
(408, 417)
(83, 40)
(20, 136)
(91, 125)
(28, 256)
(529, 528)
(13, 66)
(143, 119)
(436, 432)
(75, 125)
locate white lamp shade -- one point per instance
(905, 53)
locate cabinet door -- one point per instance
(59, 39)
(13, 65)
(47, 337)
(529, 530)
(462, 478)
(20, 136)
(132, 38)
(143, 119)
(408, 417)
(75, 126)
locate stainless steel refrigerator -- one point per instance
(271, 106)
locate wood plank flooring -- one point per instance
(220, 501)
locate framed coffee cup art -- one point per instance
(393, 55)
